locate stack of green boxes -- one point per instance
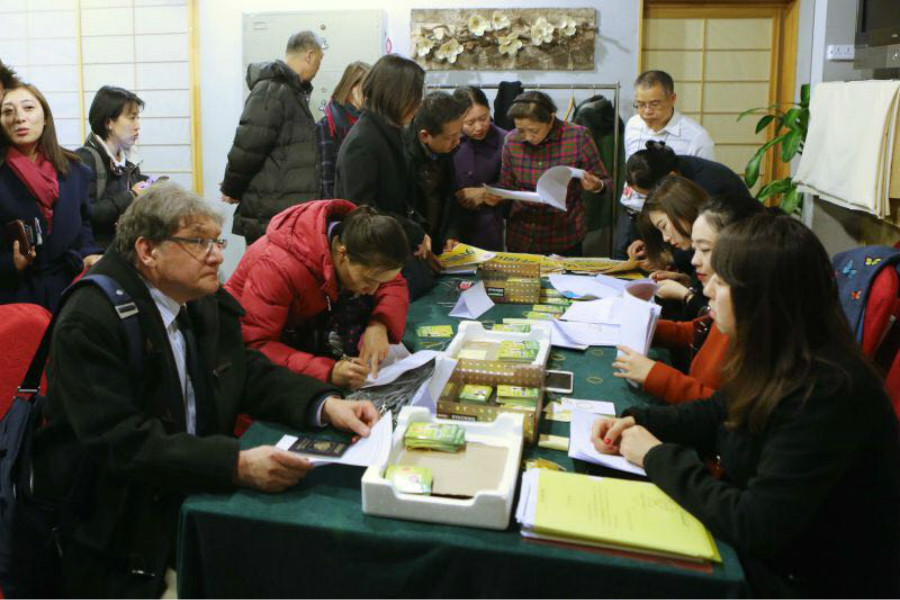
(434, 436)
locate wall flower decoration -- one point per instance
(510, 44)
(478, 25)
(541, 32)
(449, 51)
(531, 38)
(499, 21)
(567, 26)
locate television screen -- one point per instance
(879, 14)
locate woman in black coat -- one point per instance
(805, 435)
(115, 125)
(43, 203)
(372, 167)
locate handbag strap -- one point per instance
(124, 307)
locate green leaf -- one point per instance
(790, 118)
(775, 188)
(805, 95)
(764, 122)
(790, 145)
(791, 201)
(751, 173)
(772, 106)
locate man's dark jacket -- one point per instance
(118, 447)
(372, 169)
(273, 162)
(434, 176)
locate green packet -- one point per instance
(479, 394)
(550, 293)
(435, 331)
(548, 308)
(557, 301)
(518, 351)
(434, 436)
(517, 392)
(510, 328)
(540, 316)
(409, 480)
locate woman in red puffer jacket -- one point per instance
(323, 291)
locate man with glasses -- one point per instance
(656, 120)
(126, 440)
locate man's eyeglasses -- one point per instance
(655, 104)
(203, 246)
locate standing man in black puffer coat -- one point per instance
(273, 162)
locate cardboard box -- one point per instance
(492, 373)
(512, 283)
(486, 474)
(474, 342)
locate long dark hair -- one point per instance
(786, 311)
(48, 144)
(373, 239)
(393, 87)
(680, 199)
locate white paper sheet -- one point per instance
(580, 445)
(551, 189)
(579, 336)
(583, 286)
(430, 391)
(397, 368)
(593, 311)
(365, 452)
(472, 303)
(638, 319)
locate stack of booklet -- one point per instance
(611, 513)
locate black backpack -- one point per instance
(29, 529)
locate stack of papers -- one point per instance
(638, 321)
(611, 513)
(580, 445)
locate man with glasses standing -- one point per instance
(656, 120)
(125, 441)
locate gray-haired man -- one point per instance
(273, 162)
(124, 450)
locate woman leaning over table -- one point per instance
(46, 188)
(540, 141)
(705, 342)
(477, 162)
(806, 437)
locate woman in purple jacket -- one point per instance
(477, 162)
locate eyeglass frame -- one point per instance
(220, 243)
(653, 104)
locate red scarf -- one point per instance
(39, 177)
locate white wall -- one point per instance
(141, 45)
(222, 78)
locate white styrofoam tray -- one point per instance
(488, 509)
(474, 331)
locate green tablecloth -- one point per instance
(314, 540)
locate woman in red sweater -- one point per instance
(706, 342)
(324, 285)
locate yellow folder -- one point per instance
(617, 513)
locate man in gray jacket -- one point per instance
(273, 162)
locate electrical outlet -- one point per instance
(840, 52)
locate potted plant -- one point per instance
(791, 126)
